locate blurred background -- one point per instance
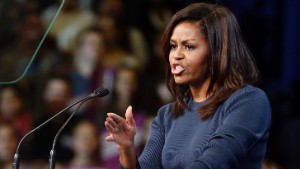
(116, 44)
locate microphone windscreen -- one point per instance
(101, 92)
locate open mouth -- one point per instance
(177, 69)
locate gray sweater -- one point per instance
(235, 137)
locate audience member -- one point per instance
(12, 109)
(87, 61)
(57, 95)
(17, 56)
(70, 22)
(86, 147)
(8, 145)
(88, 72)
(122, 40)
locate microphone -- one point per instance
(97, 93)
(100, 92)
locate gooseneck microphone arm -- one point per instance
(52, 152)
(16, 162)
(96, 93)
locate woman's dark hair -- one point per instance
(230, 63)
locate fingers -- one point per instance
(111, 122)
(110, 129)
(110, 138)
(120, 129)
(114, 123)
(130, 120)
(116, 118)
(111, 125)
(129, 116)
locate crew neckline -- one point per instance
(193, 105)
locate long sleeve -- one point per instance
(244, 131)
(151, 156)
(235, 137)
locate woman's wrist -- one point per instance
(127, 146)
(127, 157)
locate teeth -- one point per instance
(178, 67)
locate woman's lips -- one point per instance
(177, 69)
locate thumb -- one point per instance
(129, 116)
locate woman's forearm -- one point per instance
(128, 157)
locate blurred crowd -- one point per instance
(92, 44)
(113, 44)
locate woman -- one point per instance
(8, 144)
(12, 109)
(86, 146)
(218, 119)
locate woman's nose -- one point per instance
(178, 54)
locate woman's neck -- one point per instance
(200, 92)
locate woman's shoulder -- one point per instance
(248, 92)
(164, 114)
(248, 95)
(165, 109)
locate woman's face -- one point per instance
(188, 54)
(8, 143)
(57, 94)
(126, 83)
(85, 140)
(91, 46)
(10, 104)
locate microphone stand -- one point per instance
(96, 93)
(16, 162)
(52, 152)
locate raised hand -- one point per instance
(122, 131)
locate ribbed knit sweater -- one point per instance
(235, 137)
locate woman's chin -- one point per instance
(180, 81)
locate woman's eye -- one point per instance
(189, 47)
(173, 46)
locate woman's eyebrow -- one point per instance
(183, 42)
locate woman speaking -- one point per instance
(218, 118)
